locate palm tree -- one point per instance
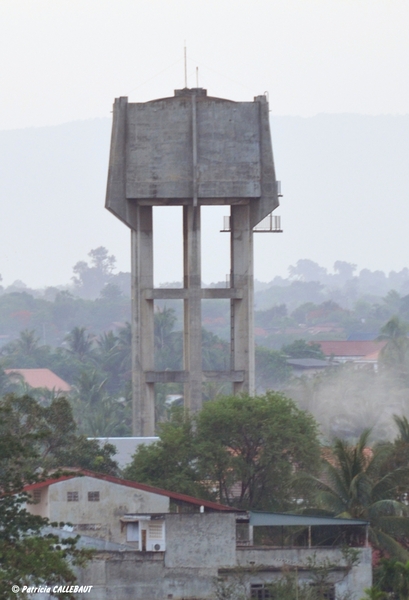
(79, 342)
(24, 352)
(393, 577)
(358, 489)
(395, 354)
(164, 323)
(402, 579)
(403, 426)
(125, 349)
(96, 412)
(27, 342)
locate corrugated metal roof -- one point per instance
(285, 520)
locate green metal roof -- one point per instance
(284, 520)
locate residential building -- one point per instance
(41, 378)
(152, 544)
(360, 352)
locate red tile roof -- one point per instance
(42, 378)
(133, 484)
(350, 349)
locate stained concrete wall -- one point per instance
(162, 150)
(265, 564)
(148, 576)
(197, 545)
(100, 519)
(201, 539)
(143, 576)
(40, 507)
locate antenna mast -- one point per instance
(185, 67)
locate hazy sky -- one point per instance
(64, 60)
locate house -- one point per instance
(41, 378)
(363, 352)
(104, 506)
(154, 544)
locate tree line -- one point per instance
(344, 303)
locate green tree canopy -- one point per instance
(48, 434)
(272, 369)
(172, 462)
(394, 356)
(303, 349)
(245, 447)
(26, 553)
(250, 447)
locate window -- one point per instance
(327, 592)
(93, 496)
(259, 592)
(132, 532)
(37, 496)
(72, 496)
(265, 591)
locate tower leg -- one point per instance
(143, 394)
(192, 342)
(242, 320)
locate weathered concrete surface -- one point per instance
(148, 575)
(125, 576)
(97, 519)
(199, 540)
(190, 150)
(192, 308)
(265, 564)
(153, 146)
(142, 323)
(242, 333)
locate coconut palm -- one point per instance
(393, 577)
(403, 426)
(355, 487)
(79, 342)
(395, 354)
(97, 413)
(125, 349)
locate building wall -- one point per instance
(200, 550)
(148, 576)
(265, 564)
(39, 508)
(143, 576)
(201, 539)
(102, 518)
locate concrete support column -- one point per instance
(143, 396)
(192, 341)
(242, 320)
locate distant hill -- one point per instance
(344, 177)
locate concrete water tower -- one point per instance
(190, 150)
